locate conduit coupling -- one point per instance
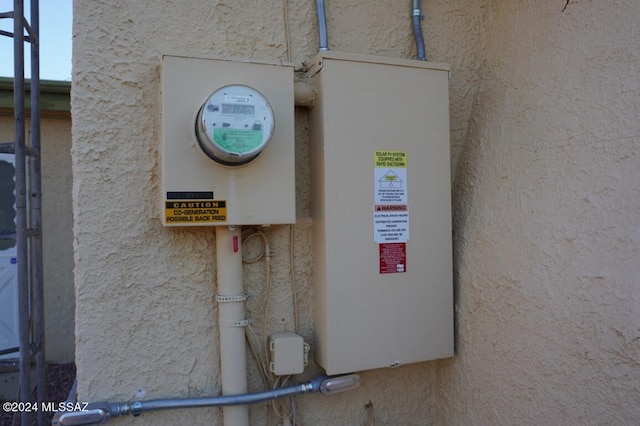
(102, 412)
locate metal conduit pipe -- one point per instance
(22, 250)
(35, 180)
(102, 412)
(417, 30)
(322, 26)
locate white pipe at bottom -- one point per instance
(233, 355)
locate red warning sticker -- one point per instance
(393, 258)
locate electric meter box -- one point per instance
(381, 208)
(227, 142)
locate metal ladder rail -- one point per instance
(28, 209)
(35, 230)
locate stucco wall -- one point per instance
(57, 237)
(145, 317)
(547, 212)
(57, 231)
(543, 127)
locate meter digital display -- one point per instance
(234, 125)
(232, 109)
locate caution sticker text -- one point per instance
(195, 212)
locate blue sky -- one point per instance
(55, 40)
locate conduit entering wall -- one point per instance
(417, 30)
(322, 26)
(417, 18)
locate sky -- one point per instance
(55, 40)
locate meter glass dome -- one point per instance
(234, 125)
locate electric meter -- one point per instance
(234, 125)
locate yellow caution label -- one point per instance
(197, 212)
(390, 159)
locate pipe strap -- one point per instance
(239, 298)
(241, 323)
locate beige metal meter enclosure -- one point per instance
(381, 207)
(227, 142)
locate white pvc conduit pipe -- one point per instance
(231, 322)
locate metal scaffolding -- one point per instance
(28, 208)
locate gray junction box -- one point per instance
(381, 207)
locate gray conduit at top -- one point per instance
(417, 30)
(322, 26)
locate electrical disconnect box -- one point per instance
(381, 207)
(227, 142)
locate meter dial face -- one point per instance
(234, 125)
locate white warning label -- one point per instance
(390, 223)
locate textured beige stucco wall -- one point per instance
(57, 237)
(57, 232)
(544, 138)
(145, 317)
(547, 211)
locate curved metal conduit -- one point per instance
(102, 412)
(417, 30)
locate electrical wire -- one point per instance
(265, 249)
(257, 356)
(293, 411)
(265, 254)
(258, 345)
(287, 33)
(293, 279)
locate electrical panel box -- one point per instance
(227, 142)
(381, 208)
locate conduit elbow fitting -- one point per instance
(337, 384)
(304, 94)
(94, 413)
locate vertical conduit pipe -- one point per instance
(231, 317)
(417, 30)
(35, 179)
(322, 26)
(21, 208)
